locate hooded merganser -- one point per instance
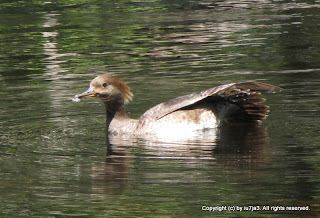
(234, 102)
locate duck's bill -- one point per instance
(89, 93)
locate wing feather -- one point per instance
(231, 89)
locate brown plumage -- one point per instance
(235, 102)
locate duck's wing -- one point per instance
(224, 91)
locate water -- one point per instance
(53, 154)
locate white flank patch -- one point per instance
(174, 131)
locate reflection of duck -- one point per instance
(189, 114)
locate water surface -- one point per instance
(53, 154)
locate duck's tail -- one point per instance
(242, 102)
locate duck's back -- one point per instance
(235, 102)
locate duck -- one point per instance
(189, 114)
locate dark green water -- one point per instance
(53, 152)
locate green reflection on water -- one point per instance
(52, 154)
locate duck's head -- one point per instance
(109, 89)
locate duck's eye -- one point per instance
(105, 84)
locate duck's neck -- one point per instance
(117, 120)
(114, 111)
